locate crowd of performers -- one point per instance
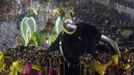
(78, 49)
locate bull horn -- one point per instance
(112, 43)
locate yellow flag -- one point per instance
(2, 63)
(126, 66)
(97, 66)
(16, 67)
(115, 59)
(58, 12)
(35, 11)
(36, 66)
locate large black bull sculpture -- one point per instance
(82, 41)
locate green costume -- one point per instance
(39, 37)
